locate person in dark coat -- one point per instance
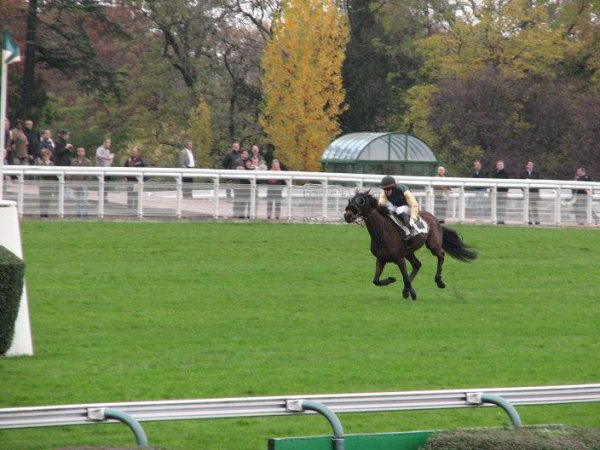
(581, 196)
(33, 141)
(502, 192)
(134, 160)
(534, 193)
(62, 149)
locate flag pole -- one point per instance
(2, 123)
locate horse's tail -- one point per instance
(455, 247)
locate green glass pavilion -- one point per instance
(379, 153)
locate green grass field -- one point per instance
(151, 311)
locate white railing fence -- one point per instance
(58, 415)
(154, 193)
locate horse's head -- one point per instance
(359, 206)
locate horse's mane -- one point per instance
(382, 209)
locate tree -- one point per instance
(302, 83)
(200, 132)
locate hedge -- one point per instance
(528, 438)
(12, 270)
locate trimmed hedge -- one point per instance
(12, 271)
(528, 438)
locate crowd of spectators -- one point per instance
(24, 145)
(578, 201)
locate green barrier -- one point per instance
(380, 441)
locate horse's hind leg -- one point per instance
(379, 265)
(438, 274)
(416, 265)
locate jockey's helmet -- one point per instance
(388, 182)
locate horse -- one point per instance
(388, 244)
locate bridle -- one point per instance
(358, 205)
(362, 215)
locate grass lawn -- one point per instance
(126, 311)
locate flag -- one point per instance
(10, 50)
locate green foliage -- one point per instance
(148, 311)
(556, 438)
(12, 271)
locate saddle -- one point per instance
(410, 232)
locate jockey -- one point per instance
(399, 200)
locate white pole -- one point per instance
(10, 237)
(2, 118)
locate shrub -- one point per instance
(12, 270)
(532, 438)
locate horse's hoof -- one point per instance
(392, 280)
(413, 294)
(440, 283)
(405, 293)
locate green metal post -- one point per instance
(137, 429)
(338, 431)
(505, 405)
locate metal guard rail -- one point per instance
(43, 416)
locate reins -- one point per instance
(379, 235)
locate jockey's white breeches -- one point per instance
(402, 209)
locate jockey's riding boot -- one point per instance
(406, 222)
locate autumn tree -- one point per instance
(302, 83)
(500, 79)
(200, 132)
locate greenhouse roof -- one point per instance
(378, 147)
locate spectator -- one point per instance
(534, 193)
(241, 203)
(274, 192)
(134, 160)
(47, 143)
(258, 164)
(6, 153)
(187, 161)
(33, 141)
(441, 194)
(104, 158)
(479, 190)
(62, 149)
(47, 186)
(580, 199)
(255, 153)
(243, 158)
(80, 189)
(501, 192)
(19, 144)
(231, 158)
(229, 162)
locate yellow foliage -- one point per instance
(417, 118)
(302, 83)
(200, 132)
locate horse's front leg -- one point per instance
(416, 265)
(408, 289)
(379, 266)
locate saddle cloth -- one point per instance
(420, 227)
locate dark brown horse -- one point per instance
(388, 244)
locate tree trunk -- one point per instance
(29, 63)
